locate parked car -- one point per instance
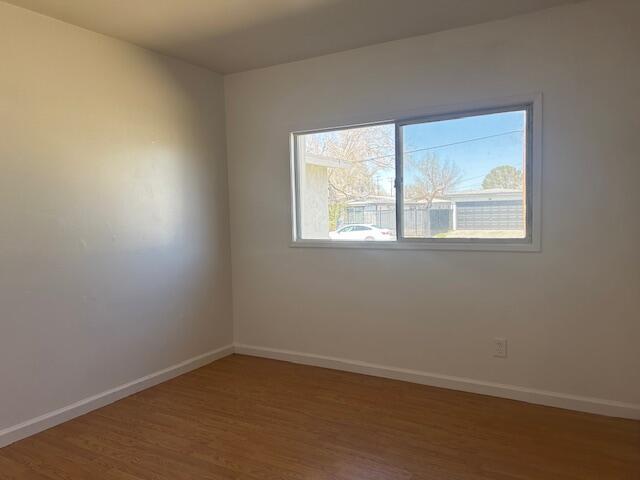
(361, 231)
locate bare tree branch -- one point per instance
(433, 178)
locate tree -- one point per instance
(432, 178)
(504, 176)
(367, 152)
(336, 212)
(367, 157)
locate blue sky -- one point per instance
(478, 155)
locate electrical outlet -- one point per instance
(500, 347)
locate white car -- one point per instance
(361, 232)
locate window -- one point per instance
(448, 180)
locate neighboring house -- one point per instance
(381, 211)
(374, 210)
(491, 209)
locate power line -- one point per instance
(465, 180)
(435, 147)
(464, 141)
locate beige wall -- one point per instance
(114, 251)
(570, 313)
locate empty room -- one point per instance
(319, 239)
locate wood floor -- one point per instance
(249, 418)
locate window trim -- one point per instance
(531, 243)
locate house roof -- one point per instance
(385, 199)
(324, 161)
(486, 194)
(374, 199)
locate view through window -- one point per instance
(462, 178)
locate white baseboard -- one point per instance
(51, 419)
(553, 399)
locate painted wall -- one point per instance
(570, 313)
(114, 249)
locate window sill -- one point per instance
(469, 245)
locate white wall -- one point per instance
(114, 249)
(570, 313)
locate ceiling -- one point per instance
(234, 35)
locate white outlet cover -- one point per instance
(500, 347)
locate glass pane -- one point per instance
(346, 178)
(465, 177)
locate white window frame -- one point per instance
(533, 176)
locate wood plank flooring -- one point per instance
(256, 419)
